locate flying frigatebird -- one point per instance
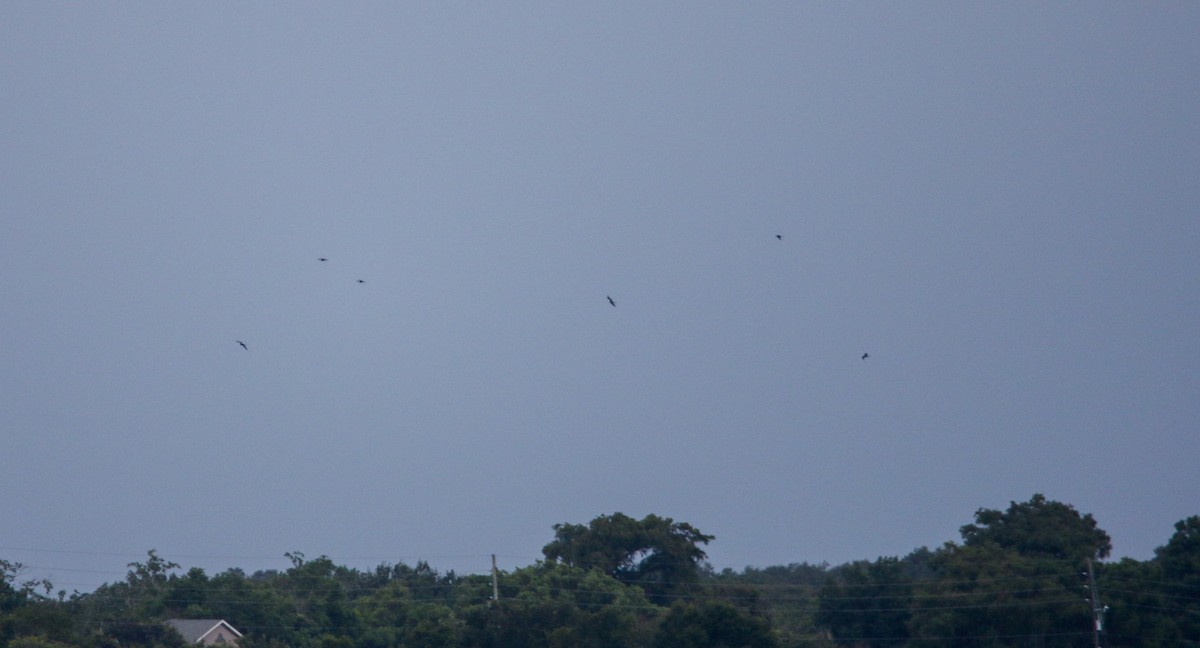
(243, 345)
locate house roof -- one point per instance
(194, 630)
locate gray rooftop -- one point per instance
(193, 629)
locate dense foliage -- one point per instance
(1018, 578)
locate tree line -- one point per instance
(1034, 574)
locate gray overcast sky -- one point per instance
(997, 201)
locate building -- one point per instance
(207, 632)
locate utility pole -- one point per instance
(495, 582)
(1098, 609)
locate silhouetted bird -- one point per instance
(866, 355)
(361, 281)
(779, 236)
(322, 259)
(243, 345)
(610, 300)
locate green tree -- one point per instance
(187, 596)
(990, 596)
(47, 619)
(146, 587)
(556, 605)
(12, 593)
(657, 553)
(1141, 613)
(713, 624)
(151, 574)
(430, 625)
(1015, 580)
(1180, 557)
(867, 603)
(144, 634)
(317, 593)
(35, 642)
(121, 611)
(1039, 528)
(1179, 561)
(256, 607)
(791, 601)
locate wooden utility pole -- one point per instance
(495, 582)
(1098, 608)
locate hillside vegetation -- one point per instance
(1031, 575)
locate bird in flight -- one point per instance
(243, 345)
(779, 236)
(866, 355)
(360, 281)
(610, 300)
(322, 259)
